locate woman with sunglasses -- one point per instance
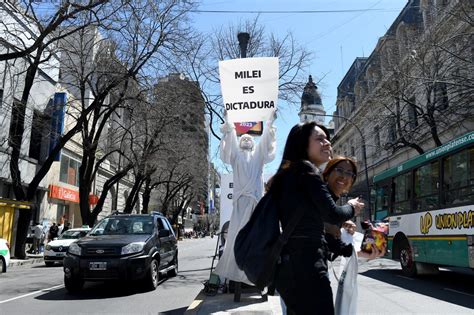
(302, 279)
(340, 174)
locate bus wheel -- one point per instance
(406, 259)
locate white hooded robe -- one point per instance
(247, 167)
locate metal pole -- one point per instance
(364, 157)
(243, 43)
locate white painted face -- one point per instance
(246, 142)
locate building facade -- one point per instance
(181, 104)
(37, 134)
(411, 94)
(52, 108)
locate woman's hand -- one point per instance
(357, 205)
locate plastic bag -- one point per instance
(346, 297)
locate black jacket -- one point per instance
(301, 185)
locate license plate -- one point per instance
(59, 254)
(98, 266)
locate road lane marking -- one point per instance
(448, 289)
(193, 309)
(32, 293)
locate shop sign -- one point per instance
(63, 193)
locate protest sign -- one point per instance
(227, 189)
(249, 88)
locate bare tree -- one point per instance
(109, 70)
(31, 38)
(135, 34)
(200, 63)
(175, 190)
(431, 83)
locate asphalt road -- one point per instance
(39, 289)
(382, 289)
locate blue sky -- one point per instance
(335, 39)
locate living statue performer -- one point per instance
(247, 161)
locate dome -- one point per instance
(310, 94)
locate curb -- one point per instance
(26, 262)
(194, 307)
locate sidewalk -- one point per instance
(31, 259)
(220, 304)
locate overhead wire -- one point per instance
(293, 11)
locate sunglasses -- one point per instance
(344, 173)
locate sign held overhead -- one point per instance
(249, 88)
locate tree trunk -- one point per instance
(105, 190)
(17, 128)
(146, 194)
(131, 200)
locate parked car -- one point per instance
(55, 250)
(123, 247)
(4, 255)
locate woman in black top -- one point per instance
(302, 279)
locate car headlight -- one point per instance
(47, 247)
(133, 248)
(74, 249)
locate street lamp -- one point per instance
(243, 43)
(364, 157)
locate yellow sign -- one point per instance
(461, 219)
(425, 223)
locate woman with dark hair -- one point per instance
(302, 279)
(340, 174)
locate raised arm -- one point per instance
(266, 147)
(228, 146)
(322, 199)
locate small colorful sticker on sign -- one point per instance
(251, 128)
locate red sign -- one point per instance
(93, 199)
(62, 193)
(251, 128)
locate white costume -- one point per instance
(247, 165)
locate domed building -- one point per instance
(311, 105)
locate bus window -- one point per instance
(381, 202)
(458, 184)
(401, 193)
(426, 187)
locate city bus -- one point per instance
(429, 204)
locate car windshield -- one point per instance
(69, 235)
(124, 225)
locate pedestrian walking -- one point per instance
(302, 279)
(340, 174)
(53, 231)
(37, 237)
(67, 226)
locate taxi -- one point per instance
(55, 250)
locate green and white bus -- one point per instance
(429, 203)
